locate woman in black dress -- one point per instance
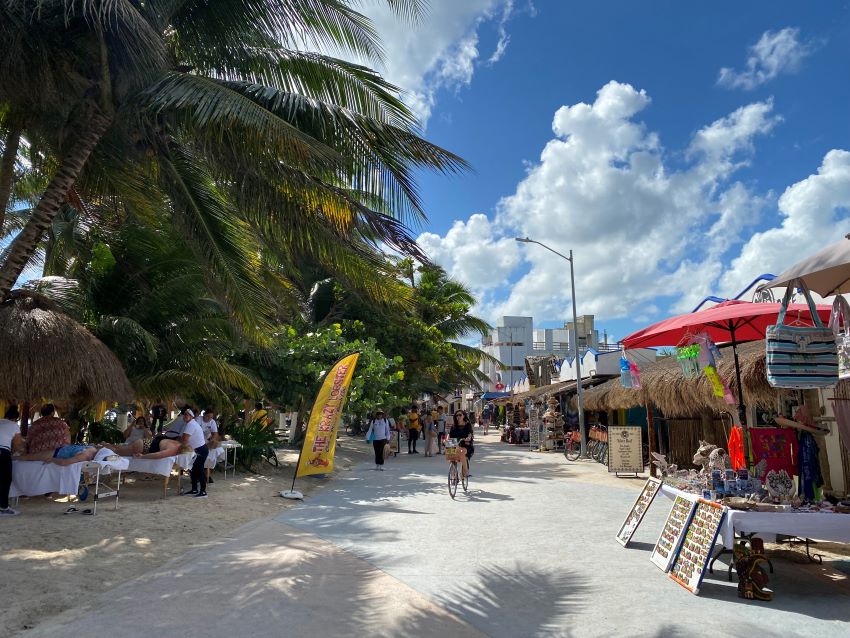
(462, 432)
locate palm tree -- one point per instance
(210, 110)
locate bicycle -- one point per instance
(573, 448)
(455, 456)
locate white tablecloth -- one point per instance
(821, 526)
(162, 467)
(216, 454)
(34, 478)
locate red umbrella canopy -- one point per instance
(736, 321)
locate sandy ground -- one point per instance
(51, 562)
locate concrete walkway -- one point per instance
(529, 551)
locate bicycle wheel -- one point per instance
(604, 460)
(465, 481)
(452, 479)
(573, 450)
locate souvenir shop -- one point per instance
(751, 441)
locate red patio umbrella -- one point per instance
(728, 322)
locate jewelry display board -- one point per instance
(635, 516)
(673, 532)
(695, 551)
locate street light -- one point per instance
(579, 392)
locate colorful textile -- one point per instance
(776, 446)
(736, 448)
(810, 474)
(47, 434)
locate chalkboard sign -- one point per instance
(674, 529)
(644, 500)
(625, 449)
(695, 551)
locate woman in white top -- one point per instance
(9, 431)
(193, 436)
(379, 434)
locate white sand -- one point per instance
(51, 562)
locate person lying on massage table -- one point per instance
(167, 448)
(70, 454)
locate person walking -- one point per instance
(412, 430)
(431, 437)
(441, 429)
(9, 432)
(379, 435)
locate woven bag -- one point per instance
(801, 357)
(841, 315)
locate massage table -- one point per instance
(163, 467)
(36, 478)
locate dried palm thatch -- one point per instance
(46, 354)
(664, 384)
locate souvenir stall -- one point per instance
(764, 479)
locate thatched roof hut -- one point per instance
(664, 384)
(46, 354)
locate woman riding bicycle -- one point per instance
(462, 432)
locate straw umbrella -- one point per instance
(46, 354)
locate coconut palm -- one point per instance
(211, 111)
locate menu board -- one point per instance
(644, 500)
(674, 529)
(695, 552)
(625, 449)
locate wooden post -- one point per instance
(650, 433)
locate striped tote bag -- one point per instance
(801, 357)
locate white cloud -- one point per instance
(504, 37)
(814, 212)
(603, 186)
(471, 253)
(439, 52)
(776, 52)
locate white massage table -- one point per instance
(106, 466)
(35, 478)
(163, 467)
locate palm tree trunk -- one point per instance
(25, 243)
(7, 167)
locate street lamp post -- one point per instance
(579, 390)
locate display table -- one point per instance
(824, 526)
(228, 445)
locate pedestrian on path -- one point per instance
(431, 438)
(441, 429)
(412, 430)
(379, 435)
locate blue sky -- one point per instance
(680, 149)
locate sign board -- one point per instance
(673, 532)
(695, 551)
(625, 449)
(644, 500)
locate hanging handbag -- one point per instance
(841, 315)
(800, 357)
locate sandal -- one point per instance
(71, 510)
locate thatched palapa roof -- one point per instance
(46, 354)
(665, 385)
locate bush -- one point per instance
(258, 440)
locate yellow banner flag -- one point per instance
(317, 455)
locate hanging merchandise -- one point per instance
(801, 356)
(707, 351)
(635, 374)
(810, 474)
(688, 358)
(736, 448)
(625, 373)
(775, 446)
(717, 385)
(841, 315)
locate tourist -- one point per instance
(173, 431)
(48, 433)
(412, 429)
(193, 436)
(379, 434)
(167, 448)
(462, 432)
(138, 431)
(431, 437)
(80, 453)
(10, 436)
(259, 415)
(158, 417)
(441, 429)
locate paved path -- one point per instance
(529, 551)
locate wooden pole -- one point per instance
(650, 432)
